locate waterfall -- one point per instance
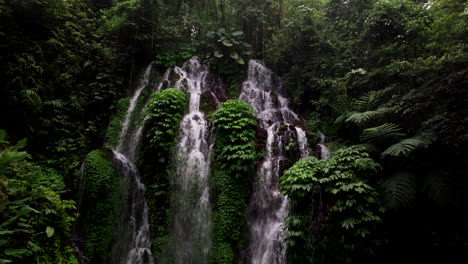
(132, 244)
(191, 232)
(268, 208)
(323, 151)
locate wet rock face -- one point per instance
(285, 164)
(261, 133)
(208, 102)
(283, 141)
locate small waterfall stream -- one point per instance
(268, 208)
(132, 244)
(323, 151)
(191, 198)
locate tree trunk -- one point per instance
(282, 12)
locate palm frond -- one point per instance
(367, 102)
(382, 132)
(405, 147)
(399, 190)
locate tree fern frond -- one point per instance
(343, 103)
(342, 118)
(382, 132)
(399, 190)
(370, 148)
(362, 118)
(405, 147)
(439, 188)
(367, 102)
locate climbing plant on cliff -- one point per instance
(233, 157)
(100, 205)
(334, 209)
(163, 114)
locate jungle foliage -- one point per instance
(334, 208)
(164, 112)
(233, 156)
(35, 222)
(385, 80)
(100, 205)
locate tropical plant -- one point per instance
(101, 202)
(385, 132)
(233, 156)
(163, 113)
(334, 209)
(34, 221)
(225, 51)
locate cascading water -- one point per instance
(191, 197)
(132, 243)
(268, 208)
(323, 151)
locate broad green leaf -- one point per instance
(15, 252)
(50, 231)
(218, 54)
(227, 43)
(21, 144)
(3, 242)
(234, 55)
(240, 60)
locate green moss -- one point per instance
(313, 137)
(207, 104)
(282, 128)
(233, 157)
(233, 84)
(164, 111)
(115, 125)
(100, 204)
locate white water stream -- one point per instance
(268, 208)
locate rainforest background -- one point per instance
(385, 80)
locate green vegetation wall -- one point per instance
(101, 199)
(334, 208)
(163, 114)
(232, 175)
(34, 220)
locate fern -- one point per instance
(366, 102)
(399, 190)
(405, 147)
(362, 118)
(343, 104)
(381, 133)
(439, 188)
(342, 118)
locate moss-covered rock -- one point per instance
(115, 125)
(163, 114)
(99, 205)
(233, 156)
